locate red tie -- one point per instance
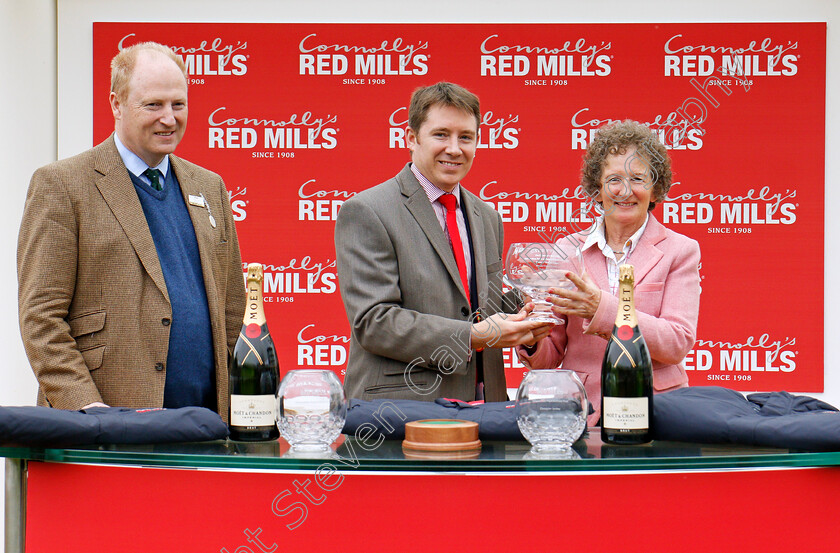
(450, 203)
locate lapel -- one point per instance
(596, 265)
(191, 185)
(421, 209)
(118, 191)
(205, 235)
(476, 222)
(646, 255)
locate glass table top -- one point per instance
(347, 453)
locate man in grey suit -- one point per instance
(420, 266)
(129, 273)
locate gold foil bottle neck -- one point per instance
(625, 273)
(626, 315)
(254, 312)
(255, 272)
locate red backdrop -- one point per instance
(299, 117)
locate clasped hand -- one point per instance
(504, 330)
(582, 301)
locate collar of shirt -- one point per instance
(136, 165)
(598, 238)
(432, 191)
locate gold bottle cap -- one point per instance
(625, 272)
(255, 271)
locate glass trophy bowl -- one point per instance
(552, 409)
(535, 267)
(312, 409)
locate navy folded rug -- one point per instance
(45, 426)
(496, 420)
(715, 415)
(702, 414)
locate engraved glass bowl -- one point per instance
(535, 267)
(552, 409)
(312, 409)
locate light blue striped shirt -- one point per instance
(137, 166)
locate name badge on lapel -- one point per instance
(201, 201)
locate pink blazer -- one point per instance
(667, 296)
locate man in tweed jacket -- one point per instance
(129, 273)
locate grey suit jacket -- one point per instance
(409, 314)
(93, 305)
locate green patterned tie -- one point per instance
(154, 176)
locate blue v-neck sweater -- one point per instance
(190, 369)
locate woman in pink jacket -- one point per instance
(627, 171)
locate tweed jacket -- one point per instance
(93, 305)
(409, 315)
(667, 298)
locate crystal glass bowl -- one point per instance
(552, 409)
(312, 409)
(536, 267)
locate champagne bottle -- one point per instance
(254, 372)
(626, 374)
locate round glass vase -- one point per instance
(551, 409)
(312, 409)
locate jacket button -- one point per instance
(465, 311)
(165, 321)
(158, 366)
